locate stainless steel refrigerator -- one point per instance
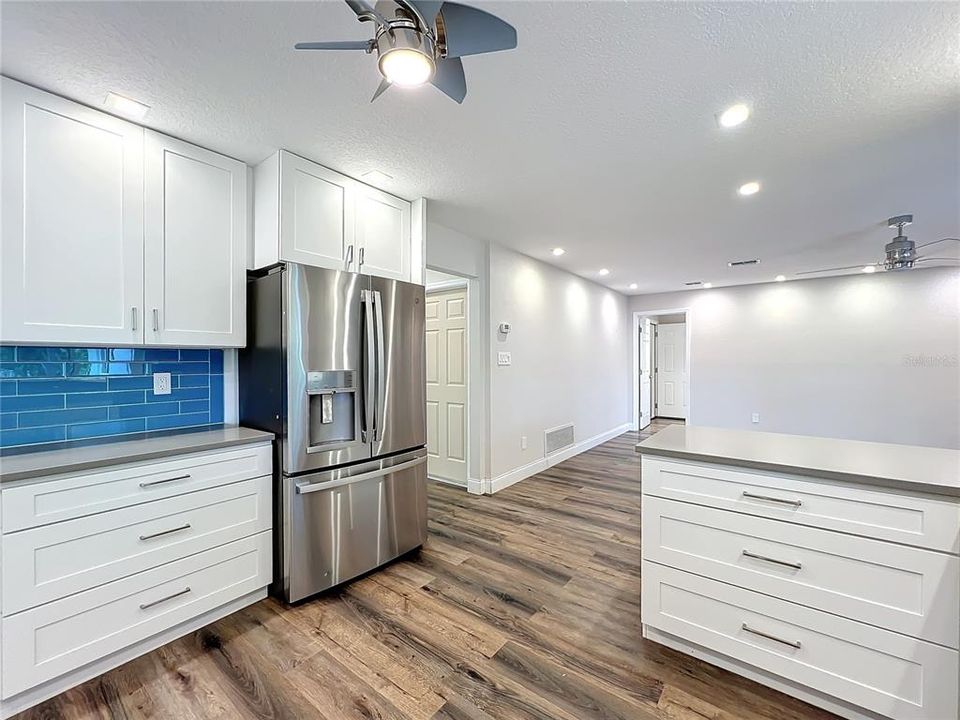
(334, 367)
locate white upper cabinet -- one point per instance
(309, 214)
(113, 235)
(72, 245)
(382, 234)
(194, 245)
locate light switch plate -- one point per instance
(161, 383)
(755, 418)
(503, 358)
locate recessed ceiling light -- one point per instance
(375, 177)
(734, 115)
(869, 269)
(780, 278)
(558, 251)
(603, 271)
(633, 286)
(125, 106)
(750, 188)
(708, 285)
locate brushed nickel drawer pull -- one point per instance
(768, 498)
(785, 563)
(147, 606)
(166, 480)
(165, 532)
(792, 643)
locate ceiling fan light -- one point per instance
(406, 67)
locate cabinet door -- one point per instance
(383, 234)
(72, 240)
(316, 215)
(195, 245)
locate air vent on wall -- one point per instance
(557, 438)
(695, 282)
(741, 263)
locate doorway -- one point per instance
(448, 372)
(661, 386)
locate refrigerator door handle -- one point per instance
(304, 488)
(379, 418)
(369, 383)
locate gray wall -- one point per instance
(868, 357)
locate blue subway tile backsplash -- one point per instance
(51, 394)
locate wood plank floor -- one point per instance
(521, 605)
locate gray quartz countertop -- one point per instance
(76, 457)
(907, 467)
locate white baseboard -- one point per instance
(524, 471)
(475, 486)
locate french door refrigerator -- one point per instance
(334, 367)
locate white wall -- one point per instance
(867, 357)
(570, 354)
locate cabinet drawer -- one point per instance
(879, 670)
(48, 641)
(50, 562)
(905, 589)
(72, 496)
(921, 520)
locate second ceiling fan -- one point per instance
(418, 41)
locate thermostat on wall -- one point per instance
(505, 328)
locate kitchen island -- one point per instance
(827, 569)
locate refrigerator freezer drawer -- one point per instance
(344, 524)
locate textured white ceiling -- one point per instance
(597, 134)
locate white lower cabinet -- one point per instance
(847, 596)
(99, 567)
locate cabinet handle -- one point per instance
(349, 255)
(360, 264)
(785, 563)
(147, 606)
(768, 498)
(792, 643)
(165, 532)
(156, 320)
(133, 319)
(151, 483)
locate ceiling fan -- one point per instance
(901, 253)
(419, 41)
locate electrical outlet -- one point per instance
(523, 442)
(755, 418)
(503, 358)
(161, 383)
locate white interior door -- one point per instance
(672, 370)
(72, 238)
(646, 371)
(447, 385)
(195, 245)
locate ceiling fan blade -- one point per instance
(468, 31)
(384, 84)
(934, 242)
(449, 78)
(848, 267)
(426, 9)
(335, 45)
(365, 11)
(944, 259)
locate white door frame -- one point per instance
(637, 318)
(463, 283)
